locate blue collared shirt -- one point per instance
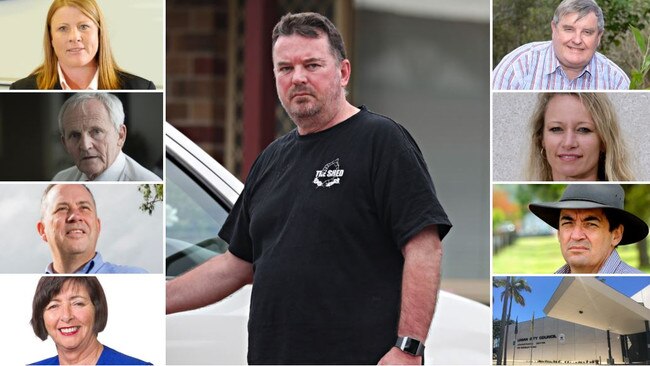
(534, 66)
(97, 265)
(613, 264)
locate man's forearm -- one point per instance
(420, 283)
(208, 283)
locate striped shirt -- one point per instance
(534, 66)
(613, 264)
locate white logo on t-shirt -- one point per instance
(329, 175)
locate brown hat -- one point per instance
(588, 196)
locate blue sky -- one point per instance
(543, 288)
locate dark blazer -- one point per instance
(128, 82)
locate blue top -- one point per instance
(97, 265)
(109, 356)
(613, 264)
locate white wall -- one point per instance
(135, 28)
(432, 77)
(563, 341)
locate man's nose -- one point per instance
(577, 38)
(74, 214)
(577, 233)
(85, 142)
(299, 75)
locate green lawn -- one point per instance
(541, 255)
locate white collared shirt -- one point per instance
(94, 83)
(113, 172)
(123, 169)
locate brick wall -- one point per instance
(196, 71)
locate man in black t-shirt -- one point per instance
(338, 228)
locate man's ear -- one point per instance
(40, 227)
(121, 135)
(617, 235)
(553, 29)
(65, 147)
(600, 36)
(346, 70)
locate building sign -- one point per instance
(533, 342)
(538, 338)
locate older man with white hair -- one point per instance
(93, 134)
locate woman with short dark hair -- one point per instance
(72, 311)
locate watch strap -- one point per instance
(410, 345)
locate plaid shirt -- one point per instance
(534, 66)
(613, 264)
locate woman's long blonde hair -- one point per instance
(47, 74)
(613, 164)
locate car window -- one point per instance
(194, 217)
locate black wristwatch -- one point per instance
(410, 345)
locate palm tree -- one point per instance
(512, 289)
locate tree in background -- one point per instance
(519, 22)
(512, 290)
(151, 194)
(496, 333)
(503, 209)
(529, 193)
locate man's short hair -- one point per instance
(583, 8)
(310, 25)
(48, 287)
(112, 104)
(49, 188)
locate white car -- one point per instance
(200, 193)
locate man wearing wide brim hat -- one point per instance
(591, 221)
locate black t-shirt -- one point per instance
(322, 218)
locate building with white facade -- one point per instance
(587, 322)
